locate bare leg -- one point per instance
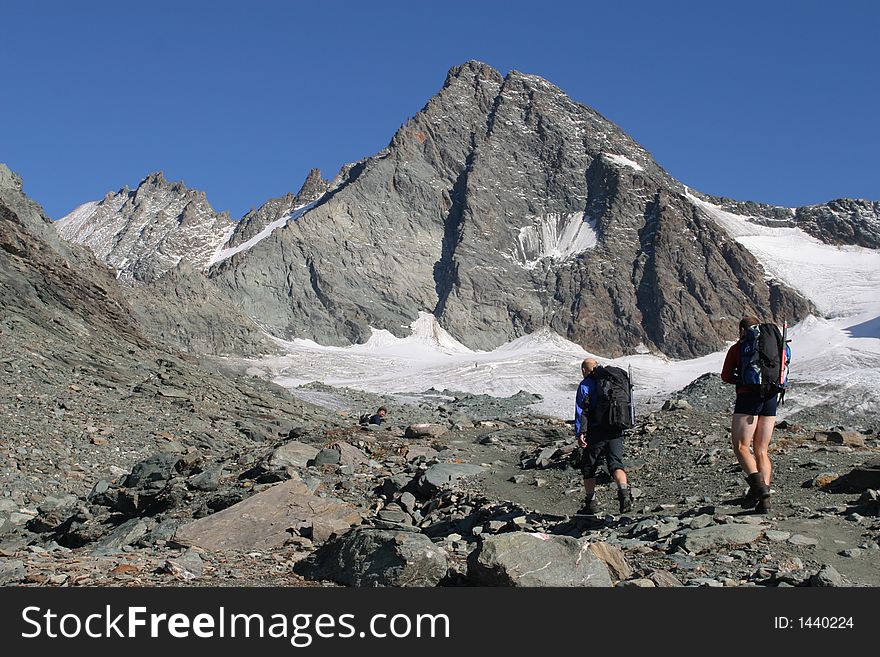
(620, 477)
(742, 432)
(761, 446)
(589, 485)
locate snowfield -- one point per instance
(835, 356)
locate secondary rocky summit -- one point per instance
(143, 233)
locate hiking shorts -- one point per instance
(604, 445)
(752, 403)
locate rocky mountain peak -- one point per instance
(144, 233)
(312, 188)
(9, 179)
(155, 179)
(503, 207)
(472, 72)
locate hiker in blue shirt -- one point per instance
(596, 441)
(379, 416)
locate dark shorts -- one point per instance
(752, 403)
(601, 445)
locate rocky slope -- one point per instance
(183, 310)
(82, 389)
(465, 490)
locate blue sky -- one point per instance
(768, 101)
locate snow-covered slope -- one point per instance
(841, 281)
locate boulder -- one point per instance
(12, 571)
(349, 454)
(268, 519)
(187, 566)
(377, 557)
(545, 456)
(425, 430)
(207, 481)
(441, 475)
(526, 559)
(415, 452)
(154, 471)
(292, 454)
(716, 536)
(613, 558)
(126, 534)
(861, 478)
(850, 438)
(327, 456)
(663, 578)
(827, 577)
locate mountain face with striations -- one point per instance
(503, 207)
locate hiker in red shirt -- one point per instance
(754, 418)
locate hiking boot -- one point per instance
(625, 497)
(763, 506)
(758, 490)
(591, 505)
(750, 498)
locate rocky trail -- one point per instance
(455, 489)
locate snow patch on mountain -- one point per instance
(842, 281)
(622, 160)
(223, 252)
(556, 236)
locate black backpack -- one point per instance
(760, 359)
(365, 418)
(613, 407)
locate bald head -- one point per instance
(588, 366)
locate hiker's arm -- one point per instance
(728, 372)
(582, 403)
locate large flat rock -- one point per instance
(292, 453)
(525, 559)
(716, 536)
(263, 521)
(441, 475)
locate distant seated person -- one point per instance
(379, 417)
(376, 418)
